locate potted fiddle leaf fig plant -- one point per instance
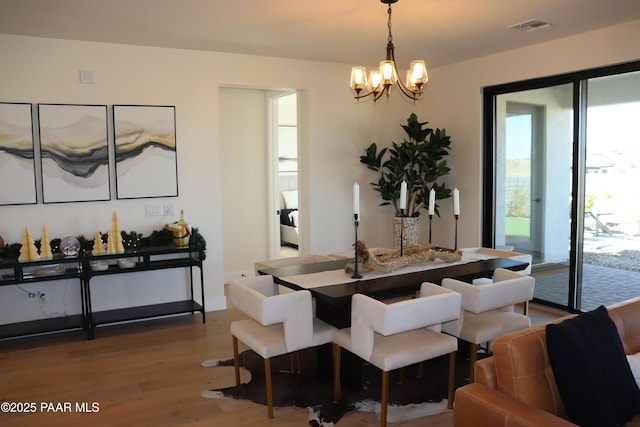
(420, 161)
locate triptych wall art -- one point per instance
(74, 153)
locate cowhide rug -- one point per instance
(413, 398)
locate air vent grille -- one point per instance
(530, 25)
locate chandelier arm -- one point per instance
(366, 95)
(403, 88)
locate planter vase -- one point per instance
(407, 227)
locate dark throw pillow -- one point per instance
(593, 375)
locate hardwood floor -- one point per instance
(142, 374)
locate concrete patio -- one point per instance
(611, 273)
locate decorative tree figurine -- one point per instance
(110, 246)
(45, 245)
(98, 246)
(114, 240)
(24, 248)
(28, 250)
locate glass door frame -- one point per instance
(578, 80)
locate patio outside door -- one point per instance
(525, 170)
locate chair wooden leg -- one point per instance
(236, 360)
(452, 379)
(267, 380)
(420, 369)
(384, 400)
(401, 376)
(336, 372)
(298, 364)
(292, 363)
(473, 356)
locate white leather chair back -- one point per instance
(370, 316)
(256, 298)
(508, 288)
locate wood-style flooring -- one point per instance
(142, 374)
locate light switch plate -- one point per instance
(153, 209)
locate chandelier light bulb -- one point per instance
(375, 81)
(358, 78)
(418, 72)
(388, 72)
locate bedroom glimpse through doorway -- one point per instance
(284, 174)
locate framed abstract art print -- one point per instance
(17, 164)
(74, 152)
(145, 151)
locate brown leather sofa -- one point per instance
(516, 387)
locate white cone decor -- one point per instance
(45, 245)
(98, 246)
(114, 240)
(28, 250)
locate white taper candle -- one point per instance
(403, 195)
(356, 199)
(432, 201)
(456, 202)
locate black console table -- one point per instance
(13, 272)
(85, 269)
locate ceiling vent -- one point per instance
(530, 25)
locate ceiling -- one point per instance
(344, 31)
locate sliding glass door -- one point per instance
(533, 158)
(562, 163)
(611, 228)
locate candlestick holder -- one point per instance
(401, 231)
(430, 220)
(455, 247)
(356, 271)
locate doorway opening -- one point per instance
(285, 225)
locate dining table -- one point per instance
(332, 289)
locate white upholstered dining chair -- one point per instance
(278, 324)
(393, 336)
(488, 309)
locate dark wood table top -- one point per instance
(387, 287)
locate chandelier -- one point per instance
(382, 80)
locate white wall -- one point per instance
(335, 131)
(243, 153)
(37, 70)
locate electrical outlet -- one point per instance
(153, 209)
(42, 296)
(169, 209)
